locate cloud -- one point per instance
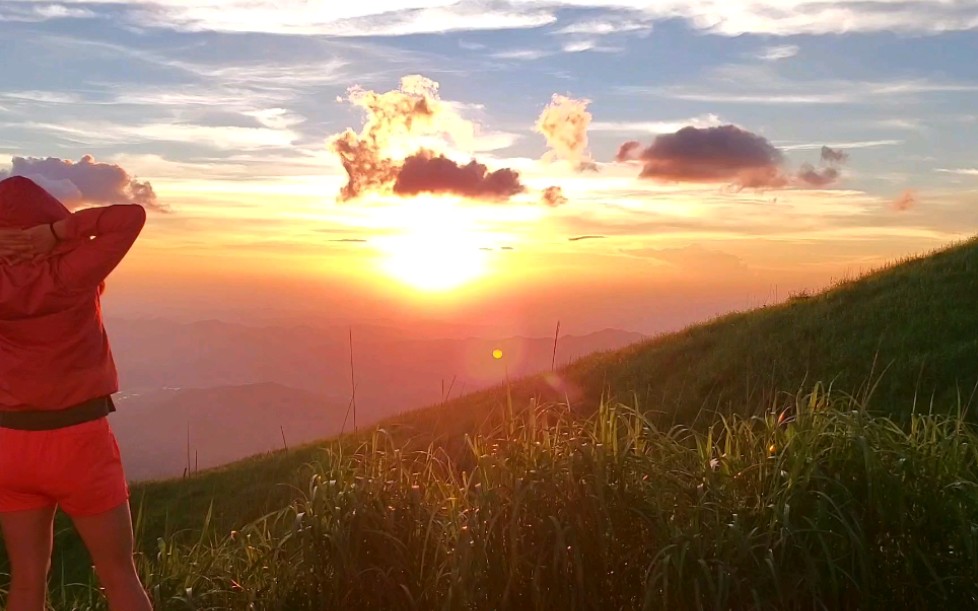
(767, 84)
(656, 127)
(726, 154)
(554, 196)
(84, 182)
(564, 123)
(30, 12)
(355, 19)
(628, 151)
(779, 52)
(230, 137)
(714, 154)
(388, 156)
(41, 97)
(586, 237)
(793, 17)
(812, 177)
(426, 172)
(580, 46)
(393, 119)
(960, 171)
(809, 176)
(396, 18)
(905, 124)
(859, 144)
(905, 201)
(275, 118)
(604, 27)
(221, 137)
(522, 54)
(834, 156)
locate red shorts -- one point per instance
(77, 467)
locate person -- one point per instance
(57, 376)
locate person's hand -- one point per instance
(42, 240)
(16, 245)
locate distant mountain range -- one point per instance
(163, 433)
(236, 385)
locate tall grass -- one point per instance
(820, 506)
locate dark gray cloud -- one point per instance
(834, 156)
(84, 182)
(727, 154)
(426, 172)
(714, 154)
(811, 176)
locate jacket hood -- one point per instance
(24, 204)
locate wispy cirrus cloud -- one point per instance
(223, 137)
(522, 54)
(395, 18)
(40, 97)
(857, 144)
(296, 17)
(792, 17)
(31, 12)
(656, 127)
(779, 52)
(766, 84)
(823, 93)
(959, 171)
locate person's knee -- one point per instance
(30, 572)
(115, 571)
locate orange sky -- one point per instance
(668, 256)
(420, 211)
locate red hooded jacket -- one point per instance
(53, 349)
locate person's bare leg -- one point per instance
(109, 539)
(28, 536)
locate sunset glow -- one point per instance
(431, 261)
(474, 253)
(625, 164)
(437, 246)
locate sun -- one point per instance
(437, 247)
(433, 263)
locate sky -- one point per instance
(702, 156)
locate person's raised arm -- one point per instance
(104, 236)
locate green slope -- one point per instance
(904, 338)
(910, 331)
(909, 334)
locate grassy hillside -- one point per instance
(823, 506)
(902, 339)
(909, 333)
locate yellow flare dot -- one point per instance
(497, 354)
